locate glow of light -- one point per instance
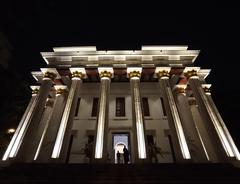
(74, 49)
(16, 141)
(101, 118)
(45, 60)
(164, 47)
(200, 137)
(35, 77)
(41, 140)
(64, 121)
(11, 130)
(139, 120)
(216, 124)
(178, 125)
(234, 147)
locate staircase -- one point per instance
(107, 173)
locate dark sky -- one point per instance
(35, 26)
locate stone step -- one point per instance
(108, 173)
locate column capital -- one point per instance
(50, 73)
(134, 72)
(60, 89)
(35, 90)
(206, 88)
(180, 88)
(192, 101)
(78, 73)
(163, 72)
(105, 72)
(191, 72)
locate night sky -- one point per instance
(28, 28)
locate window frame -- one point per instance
(122, 109)
(145, 103)
(95, 102)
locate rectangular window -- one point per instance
(145, 107)
(95, 107)
(90, 139)
(163, 107)
(77, 107)
(120, 106)
(150, 139)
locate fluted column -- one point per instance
(22, 127)
(140, 152)
(194, 140)
(221, 122)
(65, 128)
(49, 135)
(101, 151)
(223, 143)
(27, 147)
(178, 137)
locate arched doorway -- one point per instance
(119, 147)
(119, 141)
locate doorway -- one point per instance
(119, 141)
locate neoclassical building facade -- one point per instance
(88, 104)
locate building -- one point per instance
(89, 104)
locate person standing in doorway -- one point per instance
(125, 155)
(118, 157)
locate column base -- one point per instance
(100, 161)
(233, 161)
(142, 161)
(5, 163)
(185, 161)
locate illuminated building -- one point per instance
(100, 101)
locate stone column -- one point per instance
(45, 147)
(65, 128)
(37, 141)
(221, 122)
(27, 147)
(176, 129)
(101, 139)
(193, 137)
(221, 142)
(139, 149)
(203, 132)
(22, 127)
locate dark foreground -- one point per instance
(155, 173)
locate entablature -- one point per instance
(157, 55)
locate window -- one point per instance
(90, 139)
(163, 107)
(77, 107)
(145, 107)
(150, 140)
(120, 106)
(95, 107)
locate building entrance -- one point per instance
(119, 141)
